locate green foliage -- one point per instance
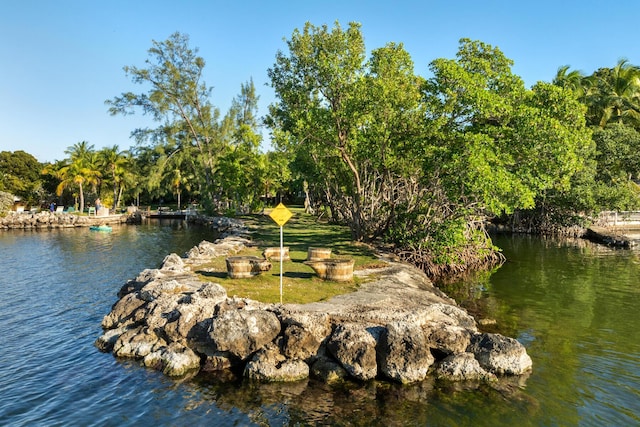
(180, 102)
(496, 146)
(20, 175)
(349, 124)
(6, 201)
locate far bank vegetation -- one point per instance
(417, 163)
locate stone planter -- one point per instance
(274, 253)
(316, 254)
(241, 267)
(338, 270)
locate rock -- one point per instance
(173, 285)
(216, 360)
(194, 314)
(137, 343)
(173, 262)
(354, 346)
(303, 333)
(106, 341)
(125, 312)
(500, 354)
(448, 339)
(328, 370)
(174, 360)
(269, 364)
(242, 332)
(462, 367)
(405, 355)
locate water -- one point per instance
(574, 305)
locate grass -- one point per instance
(300, 283)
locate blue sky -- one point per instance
(60, 60)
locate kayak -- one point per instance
(100, 228)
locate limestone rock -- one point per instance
(303, 334)
(448, 339)
(405, 355)
(174, 360)
(173, 262)
(269, 364)
(242, 332)
(216, 360)
(500, 354)
(462, 367)
(106, 341)
(137, 343)
(124, 312)
(354, 346)
(328, 370)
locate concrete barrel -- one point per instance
(315, 254)
(274, 253)
(338, 270)
(241, 267)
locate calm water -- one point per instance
(574, 305)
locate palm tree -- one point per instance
(80, 170)
(573, 80)
(614, 95)
(115, 162)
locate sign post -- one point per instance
(281, 214)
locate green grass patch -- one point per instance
(300, 283)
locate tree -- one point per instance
(492, 147)
(115, 164)
(347, 120)
(179, 100)
(80, 170)
(20, 175)
(613, 95)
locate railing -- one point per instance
(620, 218)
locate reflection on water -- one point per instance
(573, 304)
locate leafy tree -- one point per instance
(492, 147)
(80, 170)
(6, 201)
(20, 175)
(238, 172)
(114, 164)
(346, 121)
(179, 100)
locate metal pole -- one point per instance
(281, 253)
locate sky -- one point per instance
(61, 60)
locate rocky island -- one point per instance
(397, 326)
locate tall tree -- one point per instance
(81, 169)
(347, 121)
(180, 101)
(20, 176)
(114, 163)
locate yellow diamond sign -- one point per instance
(280, 214)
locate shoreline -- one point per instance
(397, 327)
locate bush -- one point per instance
(6, 201)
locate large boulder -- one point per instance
(125, 312)
(303, 333)
(500, 354)
(193, 314)
(174, 360)
(447, 339)
(242, 332)
(354, 346)
(137, 343)
(405, 355)
(462, 367)
(269, 364)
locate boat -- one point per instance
(100, 228)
